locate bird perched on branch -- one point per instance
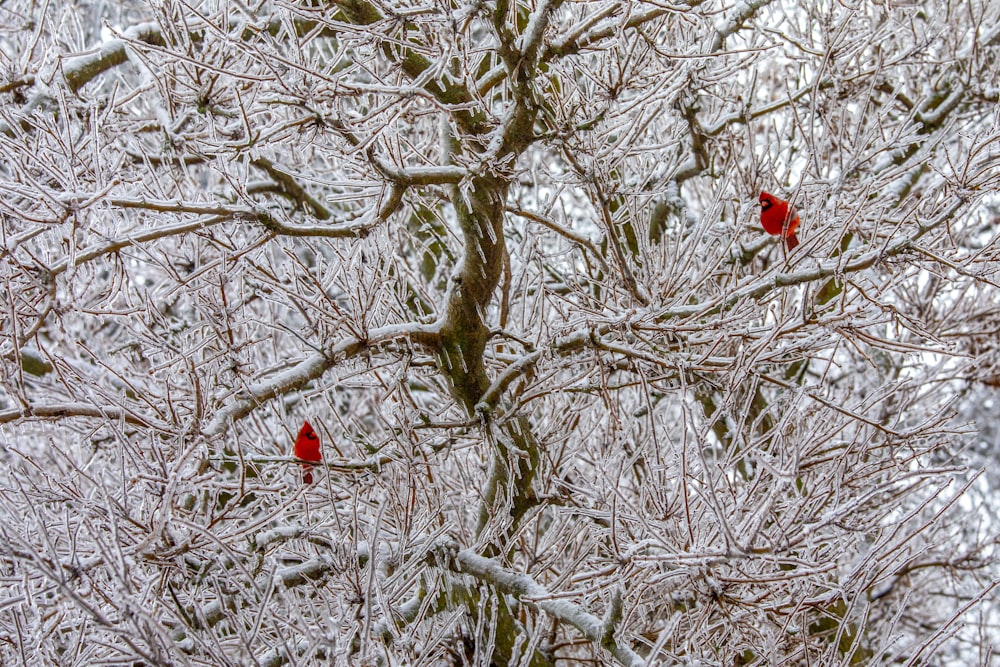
(779, 218)
(307, 448)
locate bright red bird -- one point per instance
(307, 448)
(779, 218)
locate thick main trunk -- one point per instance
(464, 331)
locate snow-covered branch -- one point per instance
(82, 68)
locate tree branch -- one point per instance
(62, 410)
(529, 592)
(313, 367)
(80, 69)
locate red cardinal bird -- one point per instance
(779, 218)
(307, 449)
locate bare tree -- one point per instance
(575, 405)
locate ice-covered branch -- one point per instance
(444, 175)
(313, 367)
(528, 591)
(415, 64)
(582, 37)
(111, 413)
(734, 20)
(489, 399)
(219, 214)
(80, 69)
(562, 230)
(531, 40)
(290, 186)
